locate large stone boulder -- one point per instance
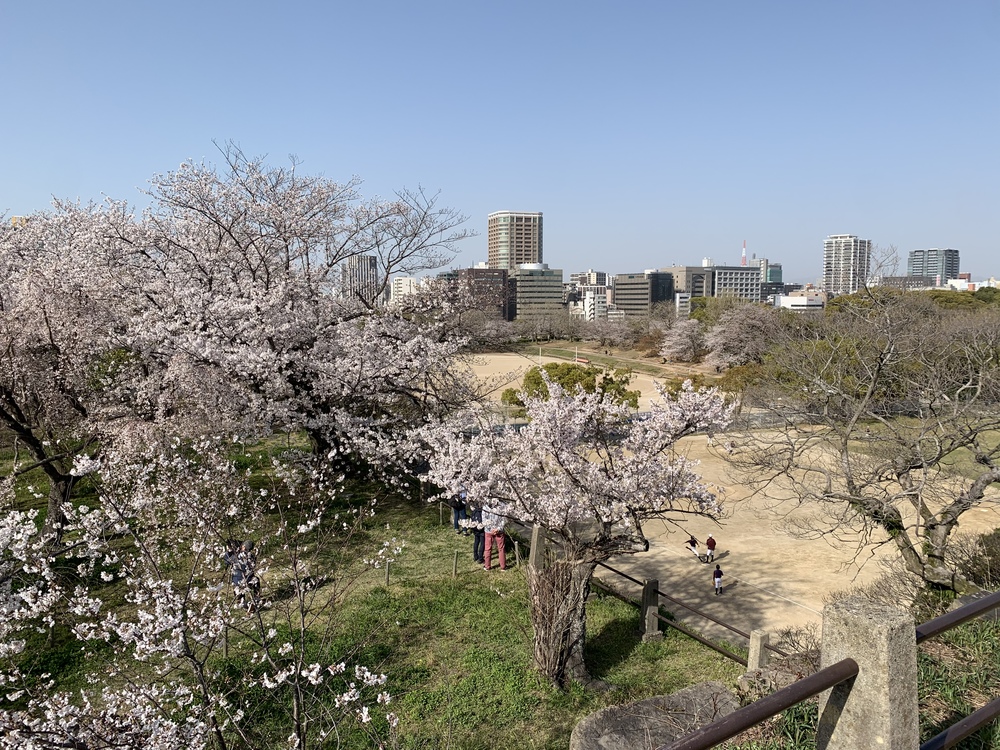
(649, 723)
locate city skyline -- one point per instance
(655, 135)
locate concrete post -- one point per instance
(878, 708)
(757, 656)
(536, 558)
(650, 607)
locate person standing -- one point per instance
(710, 549)
(232, 559)
(458, 514)
(493, 525)
(475, 523)
(717, 579)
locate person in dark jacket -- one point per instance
(475, 523)
(458, 512)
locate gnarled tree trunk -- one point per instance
(559, 618)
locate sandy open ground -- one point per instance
(772, 580)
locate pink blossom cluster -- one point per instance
(583, 467)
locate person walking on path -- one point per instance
(710, 549)
(717, 579)
(692, 544)
(493, 524)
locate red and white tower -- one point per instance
(743, 260)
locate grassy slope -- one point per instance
(458, 649)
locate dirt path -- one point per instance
(772, 579)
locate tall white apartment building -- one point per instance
(403, 286)
(513, 238)
(846, 263)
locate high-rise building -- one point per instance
(537, 291)
(846, 263)
(513, 238)
(403, 286)
(636, 293)
(693, 280)
(489, 287)
(360, 278)
(739, 282)
(933, 262)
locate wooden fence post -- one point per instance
(650, 608)
(387, 573)
(757, 655)
(536, 557)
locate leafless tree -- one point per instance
(889, 410)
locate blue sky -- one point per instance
(649, 133)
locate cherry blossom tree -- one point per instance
(743, 335)
(240, 302)
(260, 289)
(684, 341)
(590, 474)
(156, 537)
(48, 356)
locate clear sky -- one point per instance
(649, 133)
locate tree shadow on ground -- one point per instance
(614, 643)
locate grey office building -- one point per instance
(934, 262)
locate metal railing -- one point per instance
(695, 610)
(979, 719)
(677, 626)
(750, 715)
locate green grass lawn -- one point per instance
(457, 649)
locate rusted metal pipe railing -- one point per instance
(695, 610)
(965, 728)
(950, 620)
(743, 718)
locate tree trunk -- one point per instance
(559, 618)
(59, 492)
(930, 565)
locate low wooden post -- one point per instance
(387, 573)
(536, 557)
(650, 608)
(441, 514)
(757, 655)
(517, 553)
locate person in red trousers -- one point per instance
(494, 534)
